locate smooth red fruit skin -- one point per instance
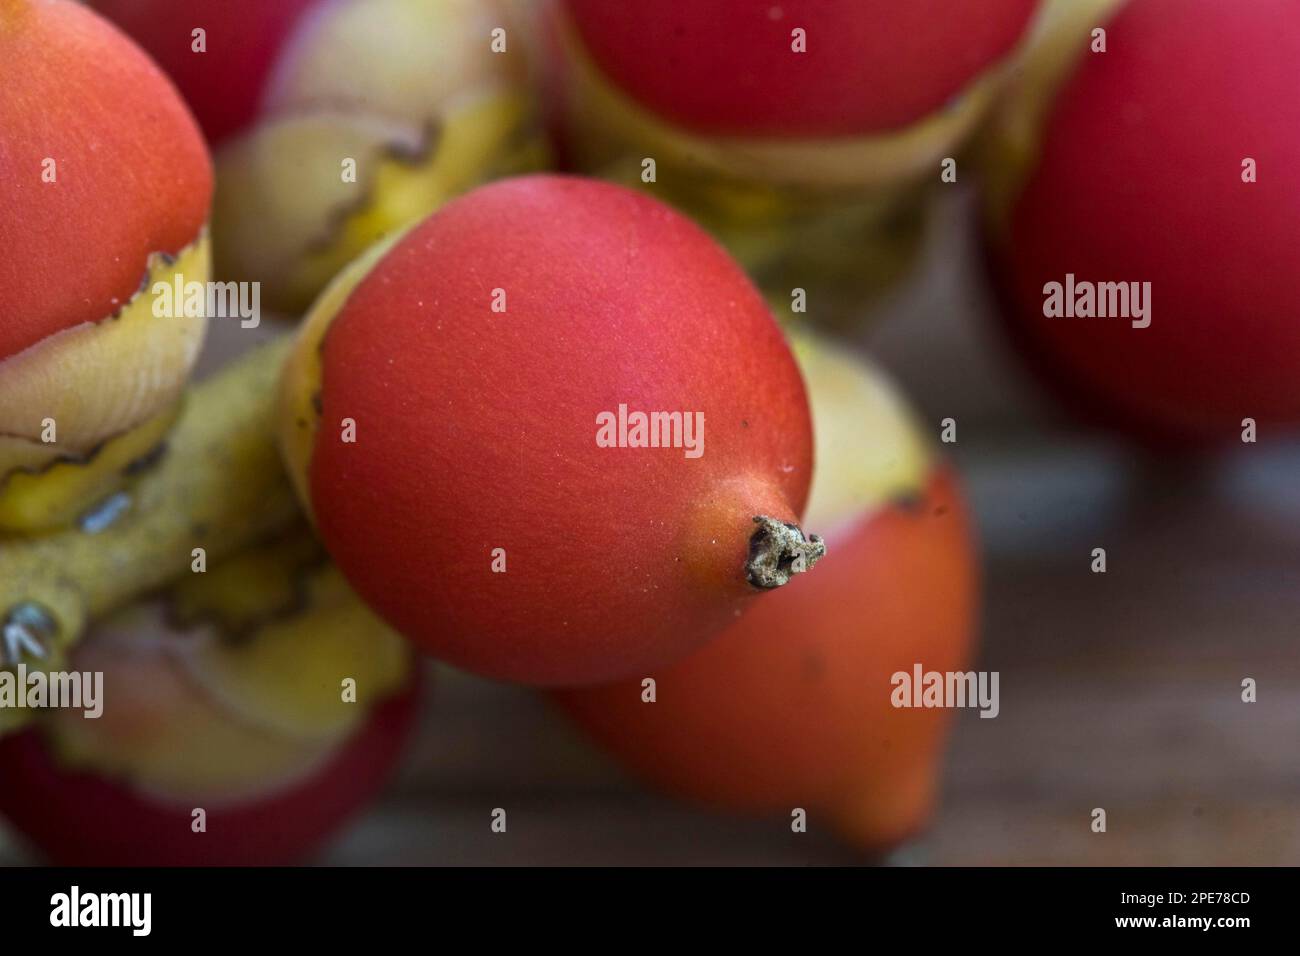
(726, 67)
(77, 818)
(244, 38)
(133, 175)
(476, 430)
(1139, 179)
(790, 707)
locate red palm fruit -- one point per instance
(1103, 167)
(815, 168)
(872, 66)
(791, 707)
(480, 360)
(881, 89)
(105, 186)
(230, 697)
(335, 122)
(243, 42)
(83, 818)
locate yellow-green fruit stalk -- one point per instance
(217, 488)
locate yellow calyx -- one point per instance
(79, 406)
(284, 631)
(310, 217)
(297, 415)
(288, 676)
(869, 447)
(59, 494)
(477, 140)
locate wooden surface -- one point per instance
(1119, 691)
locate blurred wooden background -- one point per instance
(1119, 690)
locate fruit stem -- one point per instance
(51, 584)
(779, 550)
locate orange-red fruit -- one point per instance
(727, 67)
(791, 707)
(83, 818)
(476, 430)
(131, 175)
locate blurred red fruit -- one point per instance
(1138, 175)
(84, 818)
(727, 67)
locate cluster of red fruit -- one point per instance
(439, 411)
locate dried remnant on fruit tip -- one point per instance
(778, 550)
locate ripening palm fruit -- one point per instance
(334, 122)
(1142, 215)
(230, 699)
(552, 433)
(105, 187)
(800, 132)
(793, 706)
